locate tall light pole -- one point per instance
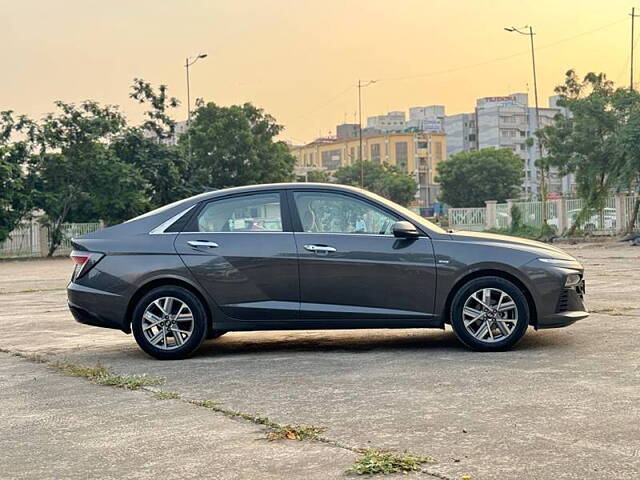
(187, 63)
(528, 30)
(361, 85)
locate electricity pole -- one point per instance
(361, 85)
(633, 21)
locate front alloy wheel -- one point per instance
(489, 314)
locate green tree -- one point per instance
(158, 121)
(587, 143)
(75, 175)
(630, 145)
(14, 190)
(148, 149)
(381, 178)
(469, 179)
(320, 176)
(233, 146)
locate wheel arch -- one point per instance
(489, 272)
(162, 282)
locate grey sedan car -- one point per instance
(313, 256)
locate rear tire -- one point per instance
(169, 323)
(489, 314)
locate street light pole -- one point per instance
(187, 63)
(543, 185)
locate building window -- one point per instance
(352, 154)
(402, 156)
(331, 159)
(311, 160)
(375, 152)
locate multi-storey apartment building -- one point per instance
(415, 153)
(504, 122)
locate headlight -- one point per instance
(572, 280)
(561, 262)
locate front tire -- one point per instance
(169, 323)
(489, 314)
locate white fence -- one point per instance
(468, 218)
(561, 214)
(34, 240)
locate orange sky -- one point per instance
(301, 59)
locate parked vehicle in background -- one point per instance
(313, 256)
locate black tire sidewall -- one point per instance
(199, 323)
(457, 304)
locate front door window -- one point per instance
(322, 212)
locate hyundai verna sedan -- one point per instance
(313, 256)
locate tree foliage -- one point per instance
(14, 190)
(381, 178)
(597, 141)
(233, 146)
(469, 179)
(75, 176)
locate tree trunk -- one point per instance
(632, 221)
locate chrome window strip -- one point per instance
(160, 229)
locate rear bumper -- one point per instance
(97, 308)
(561, 319)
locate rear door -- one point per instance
(242, 251)
(351, 265)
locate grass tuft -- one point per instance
(295, 432)
(102, 375)
(376, 461)
(166, 395)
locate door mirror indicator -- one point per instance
(405, 229)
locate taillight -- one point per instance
(83, 262)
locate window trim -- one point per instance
(297, 222)
(191, 225)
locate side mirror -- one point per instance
(405, 230)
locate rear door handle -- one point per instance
(320, 249)
(203, 243)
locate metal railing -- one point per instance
(467, 218)
(34, 240)
(607, 221)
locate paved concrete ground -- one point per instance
(565, 404)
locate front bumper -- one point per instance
(570, 308)
(562, 319)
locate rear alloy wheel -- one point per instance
(489, 314)
(169, 323)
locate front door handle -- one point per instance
(320, 249)
(203, 243)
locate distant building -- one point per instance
(347, 130)
(426, 119)
(505, 122)
(391, 122)
(415, 153)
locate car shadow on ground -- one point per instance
(435, 341)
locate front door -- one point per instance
(351, 265)
(242, 251)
